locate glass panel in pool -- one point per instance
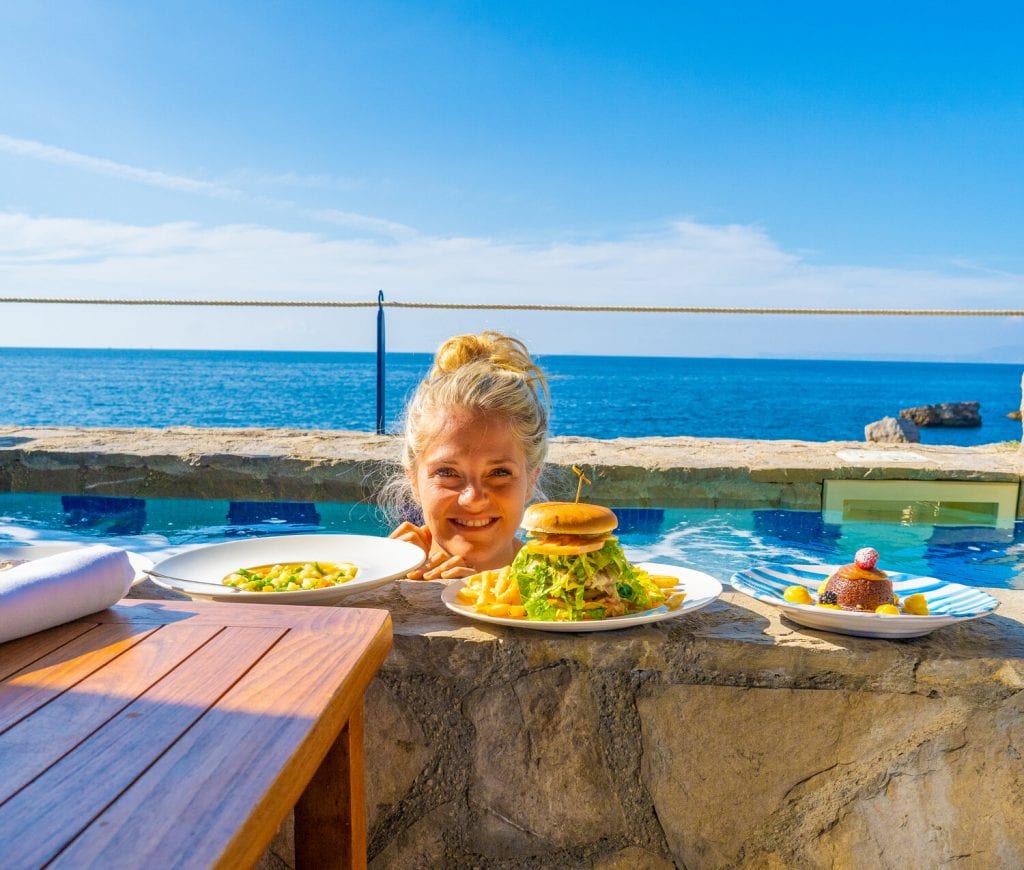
(717, 541)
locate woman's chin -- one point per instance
(478, 558)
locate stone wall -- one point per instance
(280, 464)
(724, 738)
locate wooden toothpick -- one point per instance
(579, 483)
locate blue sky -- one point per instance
(735, 153)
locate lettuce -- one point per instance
(552, 587)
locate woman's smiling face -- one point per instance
(472, 483)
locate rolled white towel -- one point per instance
(46, 592)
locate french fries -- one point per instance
(493, 593)
(667, 582)
(674, 600)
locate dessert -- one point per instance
(858, 586)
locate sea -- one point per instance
(596, 396)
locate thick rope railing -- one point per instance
(706, 309)
(498, 306)
(222, 303)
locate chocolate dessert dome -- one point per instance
(858, 586)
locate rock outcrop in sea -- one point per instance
(892, 430)
(953, 414)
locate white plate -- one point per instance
(948, 603)
(379, 560)
(40, 551)
(700, 588)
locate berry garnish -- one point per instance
(828, 598)
(866, 557)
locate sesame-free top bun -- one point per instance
(568, 518)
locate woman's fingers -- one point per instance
(411, 538)
(418, 535)
(436, 571)
(428, 570)
(458, 572)
(409, 532)
(403, 530)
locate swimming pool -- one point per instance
(717, 541)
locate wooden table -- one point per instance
(169, 733)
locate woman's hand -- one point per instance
(418, 535)
(439, 565)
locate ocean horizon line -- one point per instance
(281, 353)
(596, 396)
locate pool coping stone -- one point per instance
(341, 466)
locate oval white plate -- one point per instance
(379, 560)
(700, 588)
(40, 551)
(948, 603)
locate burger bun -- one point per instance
(568, 518)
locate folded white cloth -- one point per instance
(46, 592)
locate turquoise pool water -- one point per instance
(719, 542)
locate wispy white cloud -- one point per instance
(64, 157)
(349, 220)
(247, 178)
(980, 268)
(183, 184)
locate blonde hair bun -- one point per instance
(501, 351)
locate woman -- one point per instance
(475, 440)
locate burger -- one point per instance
(571, 567)
(565, 528)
